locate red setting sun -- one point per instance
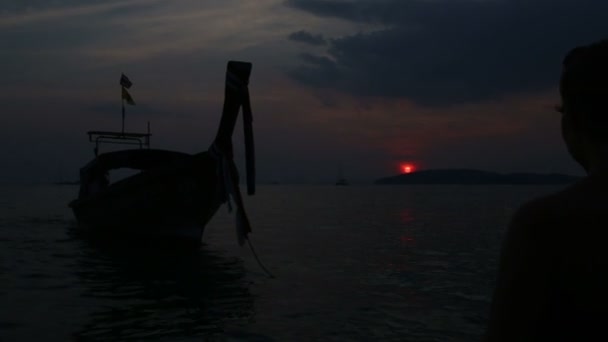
(407, 168)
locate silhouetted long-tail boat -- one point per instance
(174, 194)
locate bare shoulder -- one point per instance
(537, 214)
(549, 210)
(524, 275)
(540, 225)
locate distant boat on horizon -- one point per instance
(341, 181)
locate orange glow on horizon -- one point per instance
(407, 168)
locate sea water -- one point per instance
(354, 263)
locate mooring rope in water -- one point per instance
(228, 186)
(237, 79)
(268, 273)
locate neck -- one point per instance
(597, 160)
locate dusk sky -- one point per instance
(359, 84)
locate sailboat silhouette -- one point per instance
(341, 180)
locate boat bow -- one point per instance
(236, 96)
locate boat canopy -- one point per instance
(140, 159)
(122, 138)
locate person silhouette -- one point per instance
(552, 282)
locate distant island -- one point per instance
(469, 176)
(66, 183)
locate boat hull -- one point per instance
(168, 203)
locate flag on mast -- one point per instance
(127, 97)
(125, 82)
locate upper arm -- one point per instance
(522, 287)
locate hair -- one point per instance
(584, 88)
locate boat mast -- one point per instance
(123, 114)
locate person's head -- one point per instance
(584, 95)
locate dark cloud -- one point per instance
(307, 37)
(443, 52)
(29, 6)
(318, 71)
